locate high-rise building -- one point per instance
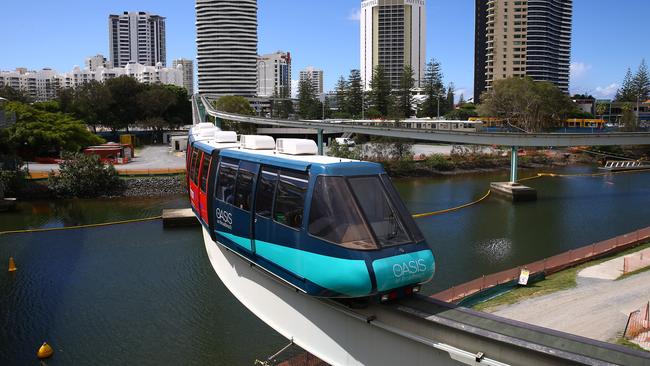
(274, 74)
(522, 38)
(226, 41)
(188, 73)
(393, 36)
(315, 76)
(95, 62)
(137, 37)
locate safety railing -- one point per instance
(548, 265)
(636, 261)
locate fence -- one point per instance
(123, 172)
(547, 266)
(636, 261)
(638, 326)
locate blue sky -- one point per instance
(608, 37)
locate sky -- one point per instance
(608, 37)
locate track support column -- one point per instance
(218, 122)
(513, 164)
(320, 141)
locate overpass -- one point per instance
(512, 139)
(415, 331)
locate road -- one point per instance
(597, 308)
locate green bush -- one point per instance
(12, 181)
(440, 162)
(85, 176)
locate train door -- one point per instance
(203, 187)
(197, 155)
(234, 203)
(279, 208)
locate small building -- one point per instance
(179, 142)
(111, 152)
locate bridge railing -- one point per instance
(547, 266)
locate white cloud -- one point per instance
(579, 70)
(355, 15)
(606, 92)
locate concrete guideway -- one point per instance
(416, 331)
(503, 139)
(597, 308)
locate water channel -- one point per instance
(138, 294)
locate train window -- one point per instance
(380, 214)
(194, 166)
(290, 198)
(225, 190)
(204, 172)
(335, 217)
(265, 192)
(244, 190)
(404, 212)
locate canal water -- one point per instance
(138, 294)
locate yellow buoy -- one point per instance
(12, 265)
(45, 351)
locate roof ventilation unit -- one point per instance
(257, 142)
(225, 136)
(297, 147)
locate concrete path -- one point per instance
(611, 269)
(596, 309)
(148, 157)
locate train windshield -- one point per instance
(359, 213)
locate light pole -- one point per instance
(438, 106)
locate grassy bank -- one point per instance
(562, 280)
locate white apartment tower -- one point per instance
(95, 62)
(315, 76)
(274, 74)
(188, 73)
(393, 36)
(226, 42)
(137, 37)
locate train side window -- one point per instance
(335, 217)
(194, 166)
(244, 190)
(290, 198)
(225, 190)
(204, 172)
(265, 191)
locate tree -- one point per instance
(403, 97)
(153, 105)
(601, 109)
(180, 112)
(641, 83)
(309, 107)
(42, 133)
(236, 105)
(354, 97)
(461, 99)
(92, 103)
(84, 176)
(434, 90)
(531, 105)
(380, 93)
(626, 92)
(124, 109)
(628, 119)
(341, 96)
(450, 98)
(14, 95)
(282, 103)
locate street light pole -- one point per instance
(438, 106)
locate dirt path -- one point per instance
(596, 308)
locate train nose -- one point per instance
(403, 270)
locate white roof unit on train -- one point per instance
(257, 142)
(225, 136)
(296, 147)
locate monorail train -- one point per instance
(326, 226)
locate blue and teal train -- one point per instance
(326, 226)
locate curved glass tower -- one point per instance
(226, 42)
